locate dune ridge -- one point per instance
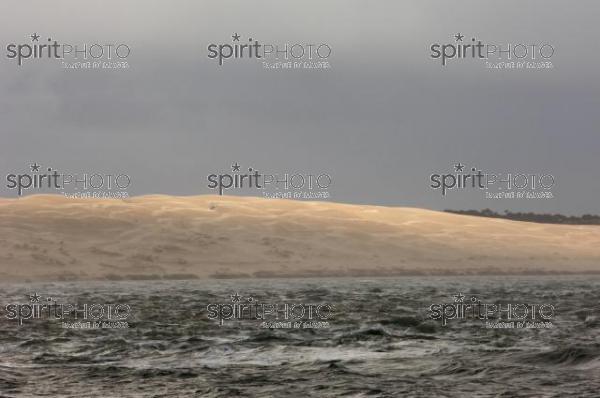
(50, 237)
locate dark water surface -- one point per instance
(379, 343)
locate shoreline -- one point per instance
(168, 278)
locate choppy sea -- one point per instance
(378, 340)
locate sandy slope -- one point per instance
(51, 237)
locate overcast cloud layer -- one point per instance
(380, 121)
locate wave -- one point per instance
(566, 355)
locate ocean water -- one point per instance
(379, 340)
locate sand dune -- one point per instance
(47, 237)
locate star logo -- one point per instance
(35, 167)
(458, 37)
(235, 167)
(236, 37)
(35, 37)
(459, 298)
(34, 298)
(459, 167)
(235, 298)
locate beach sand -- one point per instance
(50, 237)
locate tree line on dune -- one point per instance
(585, 219)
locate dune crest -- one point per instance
(50, 237)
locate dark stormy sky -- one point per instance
(381, 120)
